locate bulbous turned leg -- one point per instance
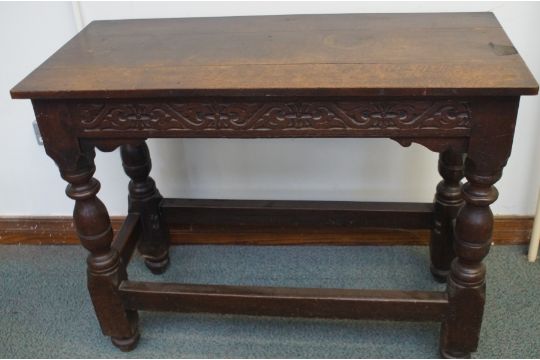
(144, 199)
(466, 282)
(105, 268)
(448, 202)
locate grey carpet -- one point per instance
(45, 310)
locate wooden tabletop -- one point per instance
(445, 54)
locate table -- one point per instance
(450, 82)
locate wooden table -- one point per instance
(450, 82)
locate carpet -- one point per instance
(45, 310)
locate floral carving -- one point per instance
(289, 116)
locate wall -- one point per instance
(351, 169)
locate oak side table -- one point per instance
(450, 82)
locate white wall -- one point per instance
(350, 169)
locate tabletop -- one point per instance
(439, 54)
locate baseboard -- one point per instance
(60, 231)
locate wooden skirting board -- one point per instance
(60, 231)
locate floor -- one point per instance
(45, 310)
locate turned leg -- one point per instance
(466, 283)
(448, 202)
(144, 199)
(105, 269)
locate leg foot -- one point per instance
(439, 275)
(454, 355)
(157, 265)
(126, 344)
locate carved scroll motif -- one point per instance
(290, 116)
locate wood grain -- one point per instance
(445, 54)
(280, 301)
(508, 230)
(287, 215)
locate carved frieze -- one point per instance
(272, 116)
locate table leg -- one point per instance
(489, 147)
(466, 283)
(448, 202)
(144, 199)
(105, 269)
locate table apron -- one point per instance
(234, 118)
